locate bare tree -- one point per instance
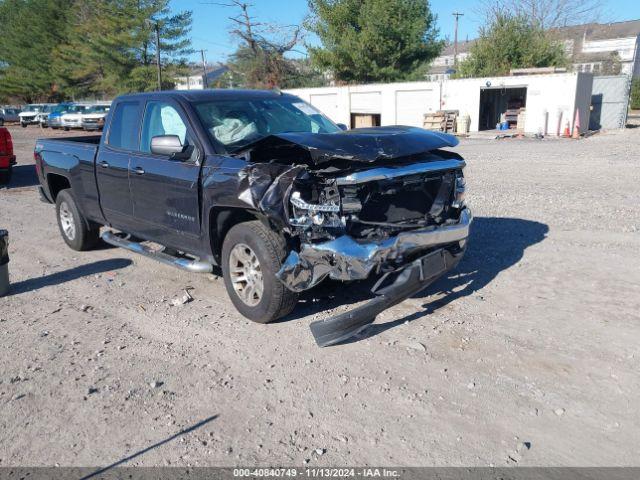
(547, 14)
(260, 57)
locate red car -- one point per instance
(7, 158)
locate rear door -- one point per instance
(165, 191)
(112, 164)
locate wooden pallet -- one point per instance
(441, 121)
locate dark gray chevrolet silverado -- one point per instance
(266, 187)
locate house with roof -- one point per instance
(598, 48)
(196, 80)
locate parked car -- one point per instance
(29, 114)
(93, 117)
(9, 115)
(55, 117)
(268, 188)
(7, 158)
(42, 118)
(72, 118)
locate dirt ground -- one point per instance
(527, 354)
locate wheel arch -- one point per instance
(56, 184)
(221, 220)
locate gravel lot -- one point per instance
(527, 354)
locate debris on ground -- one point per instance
(186, 298)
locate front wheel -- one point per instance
(251, 256)
(23, 125)
(74, 228)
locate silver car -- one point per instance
(9, 115)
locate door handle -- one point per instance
(104, 164)
(138, 171)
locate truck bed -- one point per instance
(90, 139)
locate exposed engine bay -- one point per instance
(366, 208)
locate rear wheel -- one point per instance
(1, 122)
(74, 228)
(251, 256)
(5, 177)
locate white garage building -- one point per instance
(550, 101)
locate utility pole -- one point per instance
(157, 28)
(204, 70)
(455, 39)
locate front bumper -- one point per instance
(92, 125)
(71, 124)
(346, 259)
(404, 283)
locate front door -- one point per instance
(112, 164)
(165, 192)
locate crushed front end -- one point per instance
(402, 219)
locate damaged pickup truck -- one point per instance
(267, 188)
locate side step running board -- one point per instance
(195, 266)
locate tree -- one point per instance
(112, 49)
(546, 14)
(53, 49)
(259, 61)
(612, 65)
(31, 30)
(635, 94)
(511, 42)
(373, 40)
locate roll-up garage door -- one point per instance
(327, 103)
(366, 102)
(411, 106)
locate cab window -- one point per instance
(125, 126)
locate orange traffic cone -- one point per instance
(567, 132)
(576, 125)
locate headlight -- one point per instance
(460, 189)
(307, 214)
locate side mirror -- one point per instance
(342, 126)
(171, 146)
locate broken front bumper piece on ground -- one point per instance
(345, 259)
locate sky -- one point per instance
(211, 21)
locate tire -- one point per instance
(5, 177)
(74, 228)
(1, 122)
(23, 125)
(270, 250)
(66, 129)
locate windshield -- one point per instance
(97, 109)
(76, 109)
(32, 108)
(60, 109)
(237, 123)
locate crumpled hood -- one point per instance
(367, 145)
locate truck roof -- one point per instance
(210, 94)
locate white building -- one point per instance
(594, 46)
(598, 48)
(550, 101)
(196, 81)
